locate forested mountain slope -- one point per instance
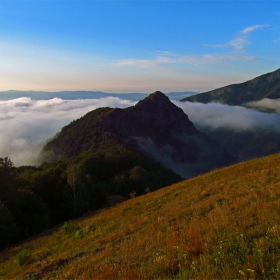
(35, 198)
(264, 86)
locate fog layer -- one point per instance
(26, 124)
(238, 118)
(266, 105)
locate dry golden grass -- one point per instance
(221, 225)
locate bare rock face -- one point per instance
(154, 125)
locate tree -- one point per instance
(6, 162)
(74, 177)
(8, 227)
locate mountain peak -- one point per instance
(154, 125)
(160, 113)
(156, 97)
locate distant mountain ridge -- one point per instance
(154, 125)
(72, 95)
(264, 86)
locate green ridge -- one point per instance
(264, 86)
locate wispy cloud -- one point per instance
(142, 63)
(241, 40)
(164, 62)
(252, 28)
(238, 44)
(213, 59)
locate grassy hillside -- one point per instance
(221, 225)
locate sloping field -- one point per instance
(221, 225)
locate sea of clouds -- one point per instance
(238, 118)
(26, 124)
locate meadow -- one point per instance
(221, 225)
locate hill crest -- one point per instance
(264, 86)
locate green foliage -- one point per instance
(6, 162)
(70, 227)
(126, 209)
(80, 135)
(8, 227)
(23, 257)
(35, 198)
(30, 212)
(23, 212)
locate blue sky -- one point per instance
(136, 46)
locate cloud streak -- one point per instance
(164, 62)
(239, 42)
(250, 29)
(165, 59)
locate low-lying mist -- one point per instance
(237, 118)
(266, 105)
(26, 124)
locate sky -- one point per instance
(136, 46)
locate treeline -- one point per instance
(33, 199)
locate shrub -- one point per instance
(23, 257)
(125, 209)
(70, 227)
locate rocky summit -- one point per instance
(154, 125)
